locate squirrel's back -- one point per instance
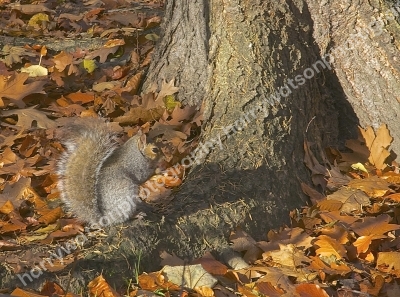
(89, 142)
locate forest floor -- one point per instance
(63, 59)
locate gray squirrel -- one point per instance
(99, 180)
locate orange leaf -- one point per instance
(114, 42)
(378, 149)
(310, 290)
(22, 293)
(373, 186)
(362, 243)
(43, 51)
(51, 216)
(374, 226)
(340, 268)
(328, 247)
(245, 291)
(267, 289)
(62, 60)
(154, 281)
(15, 89)
(330, 205)
(80, 97)
(99, 287)
(204, 291)
(394, 197)
(340, 234)
(387, 261)
(7, 207)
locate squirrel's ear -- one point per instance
(141, 141)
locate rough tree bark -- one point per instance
(363, 37)
(232, 55)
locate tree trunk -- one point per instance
(363, 39)
(259, 68)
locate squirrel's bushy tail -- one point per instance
(88, 144)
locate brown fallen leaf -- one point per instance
(6, 245)
(27, 115)
(167, 88)
(375, 226)
(211, 265)
(373, 186)
(267, 289)
(288, 255)
(15, 89)
(352, 199)
(314, 195)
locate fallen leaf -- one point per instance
(328, 247)
(167, 89)
(99, 287)
(310, 290)
(352, 199)
(190, 276)
(362, 243)
(15, 89)
(373, 186)
(35, 70)
(378, 144)
(211, 265)
(28, 115)
(375, 226)
(288, 255)
(387, 261)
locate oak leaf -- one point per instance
(167, 88)
(211, 265)
(27, 115)
(62, 60)
(15, 89)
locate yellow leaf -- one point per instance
(35, 70)
(89, 65)
(171, 103)
(329, 246)
(37, 19)
(359, 166)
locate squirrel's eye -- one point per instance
(155, 150)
